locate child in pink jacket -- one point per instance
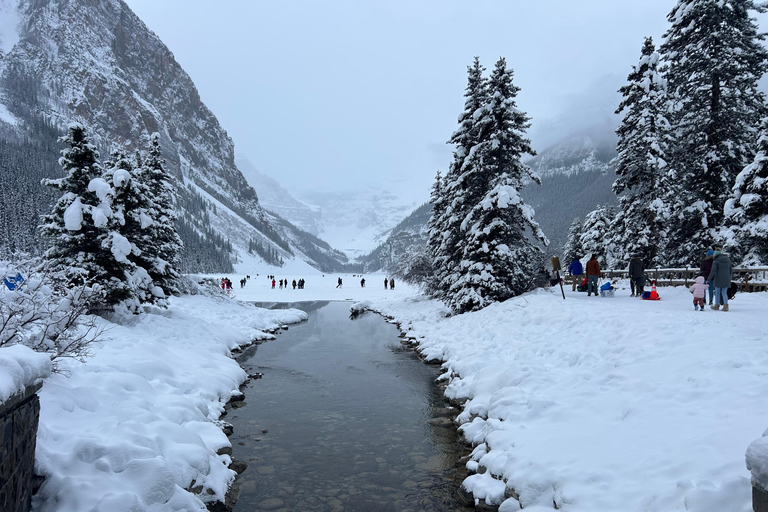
(699, 291)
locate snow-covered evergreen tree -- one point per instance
(644, 138)
(746, 211)
(596, 234)
(498, 257)
(163, 246)
(129, 223)
(573, 249)
(714, 58)
(76, 226)
(437, 199)
(445, 235)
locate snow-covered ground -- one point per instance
(590, 404)
(132, 429)
(604, 404)
(318, 287)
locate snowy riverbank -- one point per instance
(593, 404)
(133, 428)
(603, 404)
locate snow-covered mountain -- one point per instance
(98, 64)
(275, 198)
(576, 153)
(577, 173)
(357, 220)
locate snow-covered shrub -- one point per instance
(55, 323)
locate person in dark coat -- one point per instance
(391, 283)
(706, 268)
(386, 283)
(722, 268)
(636, 275)
(339, 285)
(576, 271)
(593, 274)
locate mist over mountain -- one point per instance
(355, 220)
(97, 63)
(576, 173)
(275, 198)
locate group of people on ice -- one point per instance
(284, 283)
(714, 278)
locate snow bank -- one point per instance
(359, 307)
(757, 461)
(20, 367)
(599, 404)
(132, 428)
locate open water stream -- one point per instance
(345, 418)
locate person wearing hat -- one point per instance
(722, 268)
(705, 269)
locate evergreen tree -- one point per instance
(715, 58)
(163, 245)
(445, 235)
(644, 139)
(129, 223)
(746, 211)
(595, 234)
(498, 258)
(75, 257)
(437, 200)
(572, 250)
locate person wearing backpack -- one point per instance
(576, 271)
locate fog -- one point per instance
(338, 94)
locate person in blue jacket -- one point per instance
(576, 271)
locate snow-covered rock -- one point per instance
(20, 367)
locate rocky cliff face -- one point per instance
(94, 61)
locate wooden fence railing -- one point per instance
(748, 279)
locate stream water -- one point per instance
(345, 418)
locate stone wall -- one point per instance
(759, 500)
(19, 417)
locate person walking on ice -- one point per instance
(362, 283)
(339, 285)
(386, 283)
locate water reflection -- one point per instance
(344, 419)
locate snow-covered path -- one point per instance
(605, 404)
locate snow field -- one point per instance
(603, 404)
(132, 428)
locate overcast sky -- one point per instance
(328, 94)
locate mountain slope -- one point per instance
(274, 198)
(98, 64)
